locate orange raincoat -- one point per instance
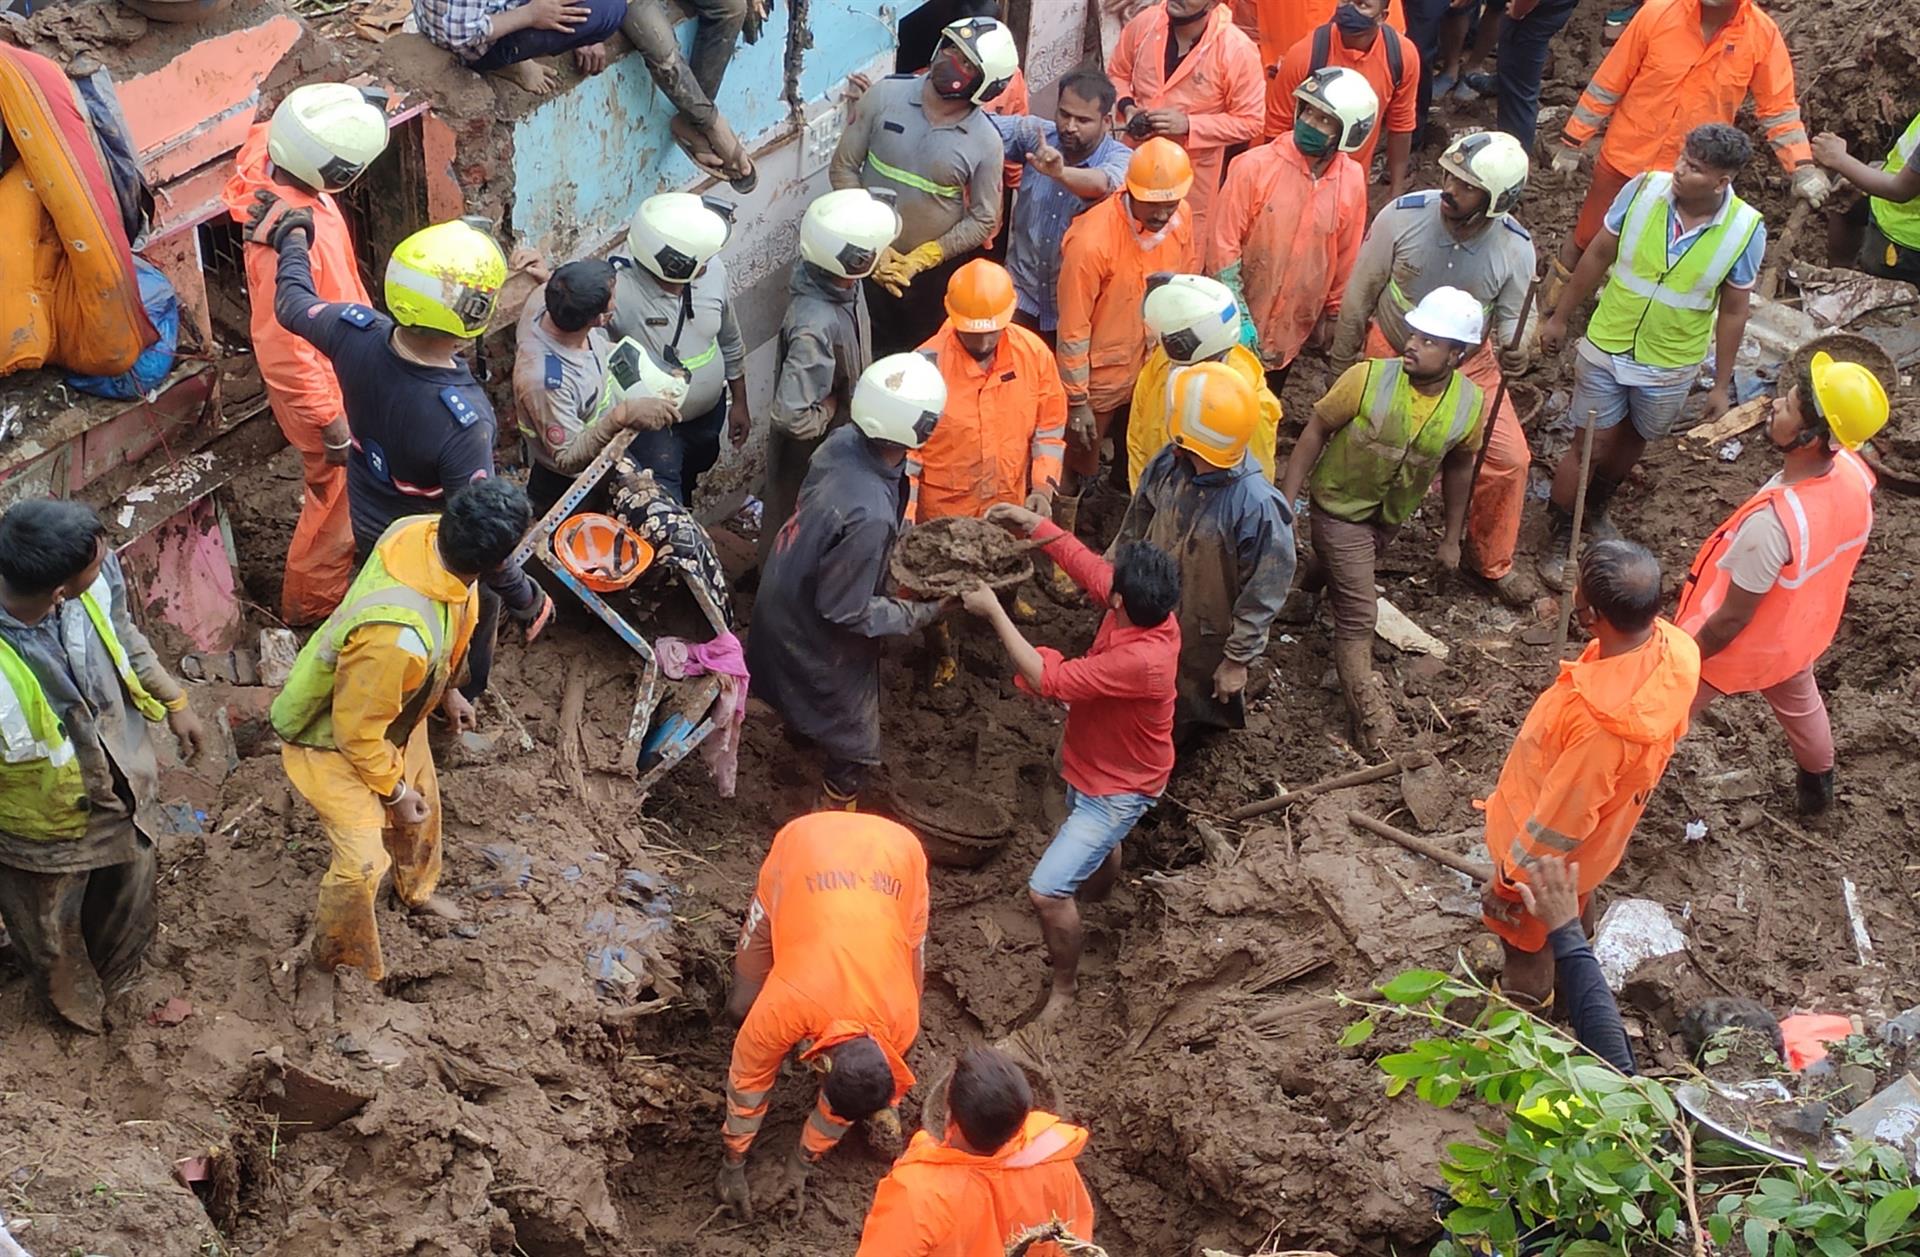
(845, 896)
(1585, 764)
(1220, 86)
(1661, 81)
(939, 1201)
(1104, 264)
(300, 382)
(1002, 435)
(1294, 237)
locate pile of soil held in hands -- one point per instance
(946, 557)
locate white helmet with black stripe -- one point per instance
(326, 134)
(676, 234)
(844, 232)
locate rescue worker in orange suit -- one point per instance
(1000, 1167)
(1680, 64)
(79, 796)
(1461, 235)
(318, 141)
(1195, 319)
(828, 970)
(1105, 260)
(1003, 433)
(1357, 39)
(1766, 592)
(1204, 500)
(1289, 225)
(1589, 753)
(1283, 23)
(352, 720)
(1187, 73)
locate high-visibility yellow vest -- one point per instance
(1901, 221)
(302, 713)
(1379, 466)
(43, 793)
(1663, 315)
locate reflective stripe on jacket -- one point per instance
(1147, 419)
(940, 1201)
(1002, 435)
(1827, 520)
(1664, 315)
(1379, 466)
(1589, 755)
(1104, 266)
(1661, 80)
(1900, 222)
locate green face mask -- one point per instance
(1311, 140)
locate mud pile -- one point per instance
(951, 555)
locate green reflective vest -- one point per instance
(1901, 222)
(1663, 315)
(43, 793)
(1379, 466)
(302, 712)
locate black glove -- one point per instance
(270, 220)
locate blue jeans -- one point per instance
(602, 22)
(678, 456)
(1522, 60)
(1094, 826)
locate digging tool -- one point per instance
(1359, 777)
(1419, 846)
(1573, 545)
(1428, 793)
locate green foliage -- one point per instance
(1591, 1163)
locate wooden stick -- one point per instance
(1420, 846)
(1782, 253)
(1500, 394)
(1359, 777)
(1573, 547)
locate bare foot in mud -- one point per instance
(313, 1003)
(529, 76)
(437, 907)
(1059, 1004)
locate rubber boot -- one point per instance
(1369, 721)
(1559, 275)
(1596, 525)
(1060, 586)
(1813, 792)
(832, 800)
(1021, 611)
(946, 665)
(1555, 559)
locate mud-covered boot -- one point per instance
(1369, 718)
(946, 664)
(1514, 589)
(1555, 561)
(1597, 525)
(1813, 792)
(1061, 587)
(1022, 611)
(832, 800)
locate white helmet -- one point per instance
(988, 44)
(1492, 161)
(899, 399)
(1196, 318)
(636, 373)
(843, 232)
(326, 134)
(676, 234)
(1346, 95)
(1449, 314)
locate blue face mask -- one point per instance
(1310, 139)
(1349, 20)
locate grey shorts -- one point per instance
(1654, 408)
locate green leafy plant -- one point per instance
(1592, 1163)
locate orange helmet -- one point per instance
(1159, 171)
(1211, 410)
(980, 297)
(601, 552)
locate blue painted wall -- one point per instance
(583, 160)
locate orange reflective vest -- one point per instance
(1589, 755)
(1827, 520)
(1002, 435)
(1295, 238)
(1104, 264)
(298, 376)
(1662, 80)
(1220, 85)
(939, 1201)
(845, 897)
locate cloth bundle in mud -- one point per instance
(634, 374)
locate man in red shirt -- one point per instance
(1357, 39)
(1118, 750)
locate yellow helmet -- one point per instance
(446, 278)
(1211, 410)
(1850, 398)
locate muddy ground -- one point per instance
(545, 1078)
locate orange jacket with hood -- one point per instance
(298, 376)
(1589, 756)
(1104, 264)
(1002, 435)
(939, 1201)
(1662, 80)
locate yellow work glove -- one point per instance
(896, 277)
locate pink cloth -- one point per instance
(726, 658)
(1802, 714)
